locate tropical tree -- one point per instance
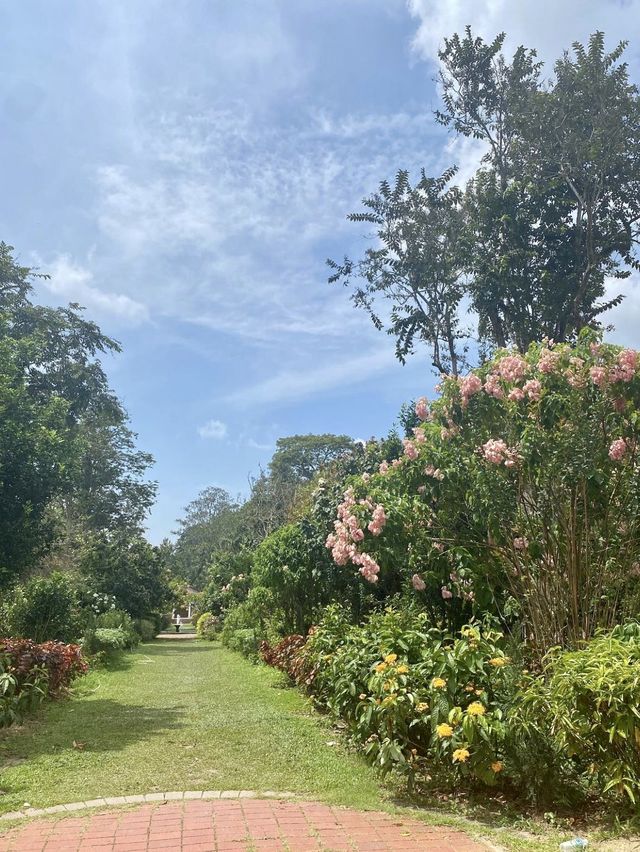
(551, 213)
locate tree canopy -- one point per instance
(551, 213)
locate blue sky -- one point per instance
(183, 168)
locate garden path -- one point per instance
(192, 716)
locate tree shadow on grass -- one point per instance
(96, 725)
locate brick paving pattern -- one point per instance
(249, 825)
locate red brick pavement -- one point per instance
(234, 826)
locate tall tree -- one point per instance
(552, 211)
(50, 379)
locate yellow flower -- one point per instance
(388, 685)
(389, 699)
(476, 709)
(497, 766)
(402, 669)
(478, 692)
(460, 755)
(498, 662)
(391, 658)
(469, 688)
(422, 707)
(438, 683)
(381, 667)
(444, 730)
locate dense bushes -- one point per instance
(255, 620)
(111, 631)
(455, 710)
(19, 696)
(30, 671)
(208, 626)
(586, 703)
(519, 495)
(415, 696)
(43, 609)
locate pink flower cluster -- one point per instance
(533, 389)
(419, 436)
(625, 369)
(410, 449)
(418, 583)
(512, 368)
(348, 533)
(378, 520)
(496, 451)
(548, 361)
(618, 449)
(493, 387)
(599, 376)
(422, 408)
(469, 385)
(434, 472)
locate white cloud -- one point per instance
(240, 212)
(298, 384)
(74, 283)
(547, 25)
(215, 429)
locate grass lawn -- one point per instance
(190, 715)
(178, 716)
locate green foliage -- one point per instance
(107, 640)
(63, 429)
(586, 702)
(117, 619)
(245, 640)
(44, 608)
(208, 626)
(258, 616)
(146, 629)
(292, 563)
(416, 698)
(550, 214)
(298, 458)
(19, 695)
(133, 571)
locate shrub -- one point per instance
(294, 565)
(118, 619)
(285, 655)
(108, 640)
(519, 495)
(418, 699)
(44, 609)
(59, 662)
(586, 702)
(245, 641)
(17, 698)
(257, 614)
(208, 626)
(146, 629)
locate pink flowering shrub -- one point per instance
(518, 494)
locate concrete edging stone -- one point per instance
(169, 796)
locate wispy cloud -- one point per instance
(290, 385)
(215, 429)
(75, 283)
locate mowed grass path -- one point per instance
(179, 715)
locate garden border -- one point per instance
(169, 796)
